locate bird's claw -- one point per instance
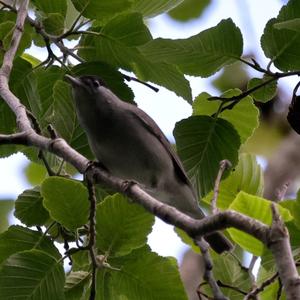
(127, 184)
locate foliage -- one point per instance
(111, 37)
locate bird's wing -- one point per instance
(152, 127)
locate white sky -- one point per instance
(165, 107)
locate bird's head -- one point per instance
(90, 84)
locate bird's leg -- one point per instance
(127, 184)
(95, 164)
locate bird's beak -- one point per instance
(73, 80)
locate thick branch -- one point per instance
(279, 244)
(277, 240)
(16, 139)
(17, 34)
(171, 215)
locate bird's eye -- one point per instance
(95, 83)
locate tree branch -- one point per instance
(253, 294)
(208, 274)
(224, 164)
(279, 244)
(276, 237)
(15, 138)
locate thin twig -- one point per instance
(71, 29)
(224, 165)
(92, 232)
(129, 78)
(234, 100)
(93, 284)
(281, 192)
(42, 157)
(279, 291)
(208, 274)
(256, 291)
(278, 244)
(255, 66)
(52, 132)
(252, 263)
(250, 271)
(234, 288)
(244, 94)
(234, 256)
(41, 154)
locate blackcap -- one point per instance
(131, 146)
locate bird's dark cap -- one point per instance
(85, 80)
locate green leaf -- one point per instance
(54, 24)
(228, 271)
(31, 59)
(271, 290)
(142, 275)
(293, 24)
(7, 126)
(259, 209)
(64, 119)
(202, 142)
(7, 25)
(128, 29)
(66, 200)
(18, 238)
(202, 54)
(50, 100)
(247, 177)
(111, 76)
(234, 76)
(294, 233)
(121, 226)
(101, 10)
(23, 85)
(281, 45)
(31, 274)
(185, 238)
(45, 82)
(152, 8)
(265, 93)
(35, 173)
(75, 283)
(117, 48)
(166, 75)
(294, 207)
(51, 6)
(81, 261)
(6, 207)
(29, 208)
(244, 115)
(189, 9)
(7, 117)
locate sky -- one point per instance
(165, 107)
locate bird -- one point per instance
(131, 146)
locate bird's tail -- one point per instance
(218, 242)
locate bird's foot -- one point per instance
(90, 169)
(95, 164)
(127, 184)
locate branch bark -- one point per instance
(279, 244)
(276, 237)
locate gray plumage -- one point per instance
(131, 146)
